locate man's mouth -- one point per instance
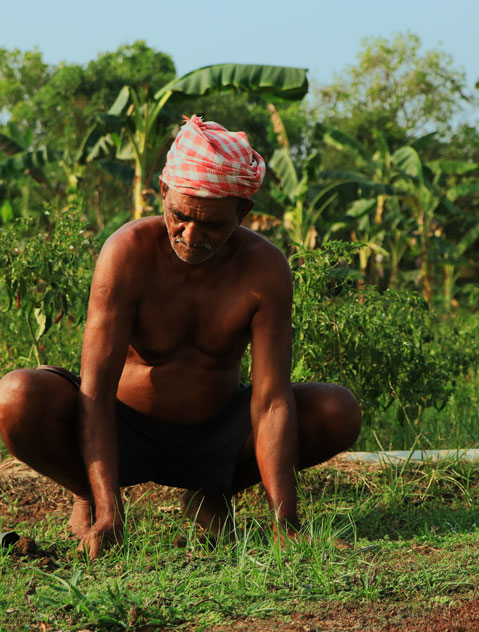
(199, 246)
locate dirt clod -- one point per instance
(25, 546)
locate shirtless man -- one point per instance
(174, 302)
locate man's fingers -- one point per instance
(94, 542)
(91, 546)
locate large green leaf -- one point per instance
(423, 141)
(342, 174)
(361, 207)
(119, 170)
(10, 146)
(468, 240)
(452, 167)
(277, 82)
(120, 101)
(28, 160)
(96, 146)
(284, 169)
(344, 142)
(360, 181)
(461, 190)
(6, 212)
(111, 123)
(406, 159)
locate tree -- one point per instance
(21, 76)
(432, 199)
(137, 130)
(56, 106)
(394, 87)
(65, 107)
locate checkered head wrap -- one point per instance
(206, 160)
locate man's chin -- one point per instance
(193, 256)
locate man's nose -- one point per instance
(191, 233)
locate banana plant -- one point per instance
(19, 158)
(304, 204)
(378, 181)
(136, 131)
(433, 204)
(297, 190)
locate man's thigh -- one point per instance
(329, 420)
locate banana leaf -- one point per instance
(28, 161)
(10, 146)
(119, 170)
(277, 82)
(452, 167)
(285, 171)
(407, 160)
(461, 190)
(343, 142)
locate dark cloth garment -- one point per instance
(193, 457)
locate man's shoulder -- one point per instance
(265, 262)
(134, 241)
(129, 251)
(137, 232)
(259, 250)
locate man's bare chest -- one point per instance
(213, 319)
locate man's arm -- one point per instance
(111, 312)
(273, 406)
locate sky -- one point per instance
(321, 35)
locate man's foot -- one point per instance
(211, 511)
(82, 517)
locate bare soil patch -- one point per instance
(463, 617)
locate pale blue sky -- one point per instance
(321, 35)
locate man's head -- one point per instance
(199, 227)
(209, 176)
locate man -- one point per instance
(174, 302)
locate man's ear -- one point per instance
(245, 206)
(163, 189)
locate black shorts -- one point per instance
(193, 457)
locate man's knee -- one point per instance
(344, 413)
(18, 397)
(331, 415)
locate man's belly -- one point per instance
(177, 393)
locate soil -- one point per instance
(26, 498)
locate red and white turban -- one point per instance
(206, 160)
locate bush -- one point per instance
(45, 275)
(384, 347)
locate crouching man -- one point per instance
(174, 302)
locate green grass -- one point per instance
(413, 528)
(455, 426)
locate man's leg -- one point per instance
(210, 510)
(38, 423)
(329, 421)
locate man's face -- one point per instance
(199, 227)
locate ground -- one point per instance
(27, 499)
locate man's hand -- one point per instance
(103, 534)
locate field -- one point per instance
(385, 549)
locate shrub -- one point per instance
(383, 346)
(45, 275)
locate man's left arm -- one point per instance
(273, 405)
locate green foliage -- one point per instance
(397, 87)
(382, 346)
(168, 575)
(45, 272)
(137, 129)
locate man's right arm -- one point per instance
(111, 312)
